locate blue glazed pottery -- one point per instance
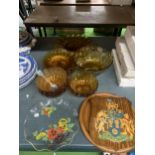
(27, 70)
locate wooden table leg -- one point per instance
(115, 33)
(29, 30)
(119, 31)
(54, 31)
(45, 34)
(40, 33)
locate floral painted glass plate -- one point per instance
(50, 125)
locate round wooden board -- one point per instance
(84, 116)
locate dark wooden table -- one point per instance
(73, 2)
(81, 16)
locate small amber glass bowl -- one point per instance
(53, 81)
(82, 82)
(59, 58)
(73, 43)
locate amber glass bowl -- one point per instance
(82, 82)
(52, 82)
(59, 58)
(73, 43)
(93, 58)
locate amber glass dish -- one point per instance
(82, 83)
(59, 58)
(52, 82)
(93, 58)
(73, 43)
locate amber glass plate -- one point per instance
(93, 58)
(82, 82)
(59, 58)
(108, 121)
(52, 81)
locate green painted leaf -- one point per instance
(35, 133)
(45, 138)
(55, 126)
(68, 119)
(51, 141)
(50, 126)
(70, 130)
(71, 125)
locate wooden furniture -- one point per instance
(73, 2)
(81, 16)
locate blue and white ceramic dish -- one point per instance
(24, 51)
(27, 70)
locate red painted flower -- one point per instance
(60, 130)
(52, 134)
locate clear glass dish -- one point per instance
(50, 125)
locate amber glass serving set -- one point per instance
(73, 63)
(106, 120)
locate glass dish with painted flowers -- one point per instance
(50, 124)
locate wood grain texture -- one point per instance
(73, 2)
(88, 111)
(64, 16)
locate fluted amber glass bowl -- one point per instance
(82, 82)
(93, 58)
(73, 43)
(52, 82)
(59, 57)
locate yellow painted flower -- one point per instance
(47, 111)
(63, 120)
(40, 135)
(62, 123)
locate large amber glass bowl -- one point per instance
(73, 43)
(52, 81)
(59, 57)
(82, 83)
(93, 58)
